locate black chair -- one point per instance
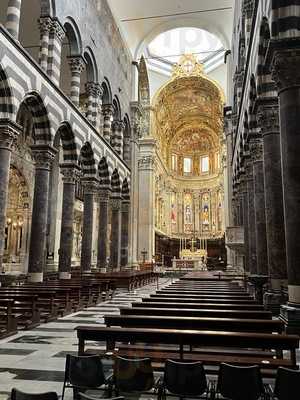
(133, 375)
(183, 379)
(240, 383)
(18, 395)
(84, 396)
(85, 373)
(287, 384)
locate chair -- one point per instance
(84, 396)
(18, 395)
(287, 384)
(183, 379)
(83, 373)
(240, 383)
(133, 375)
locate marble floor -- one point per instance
(34, 360)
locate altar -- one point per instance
(191, 259)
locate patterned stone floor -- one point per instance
(34, 360)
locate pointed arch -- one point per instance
(125, 190)
(91, 65)
(73, 36)
(41, 124)
(67, 137)
(104, 173)
(115, 183)
(117, 109)
(107, 94)
(87, 161)
(143, 82)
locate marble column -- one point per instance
(70, 175)
(286, 74)
(13, 17)
(256, 150)
(269, 122)
(94, 93)
(243, 191)
(43, 156)
(90, 189)
(103, 229)
(251, 218)
(107, 111)
(124, 232)
(56, 36)
(45, 26)
(115, 240)
(77, 65)
(8, 133)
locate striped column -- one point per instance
(107, 111)
(117, 136)
(56, 36)
(13, 17)
(77, 65)
(93, 91)
(44, 25)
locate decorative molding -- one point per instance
(256, 150)
(268, 118)
(146, 162)
(9, 132)
(43, 156)
(77, 64)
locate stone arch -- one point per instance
(91, 65)
(252, 112)
(42, 132)
(7, 107)
(67, 137)
(125, 190)
(48, 8)
(74, 37)
(117, 109)
(104, 173)
(126, 140)
(87, 161)
(265, 85)
(115, 183)
(107, 94)
(143, 82)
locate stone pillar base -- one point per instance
(290, 315)
(64, 275)
(273, 301)
(35, 277)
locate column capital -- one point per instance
(77, 63)
(45, 24)
(94, 89)
(104, 195)
(268, 118)
(43, 156)
(285, 67)
(116, 203)
(9, 132)
(146, 163)
(125, 206)
(90, 185)
(118, 126)
(57, 29)
(256, 150)
(70, 172)
(107, 110)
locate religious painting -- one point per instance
(188, 214)
(205, 210)
(173, 212)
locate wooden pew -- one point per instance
(142, 320)
(204, 299)
(8, 323)
(212, 306)
(203, 291)
(186, 338)
(24, 308)
(203, 296)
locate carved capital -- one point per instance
(256, 150)
(43, 156)
(268, 119)
(146, 162)
(9, 132)
(118, 126)
(76, 63)
(70, 172)
(57, 30)
(115, 203)
(125, 206)
(103, 196)
(90, 186)
(45, 24)
(107, 110)
(93, 89)
(286, 68)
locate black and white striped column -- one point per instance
(115, 238)
(102, 247)
(77, 65)
(107, 111)
(45, 26)
(93, 91)
(117, 136)
(13, 17)
(56, 36)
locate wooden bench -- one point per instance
(186, 304)
(158, 320)
(213, 339)
(24, 308)
(162, 298)
(8, 323)
(204, 291)
(206, 295)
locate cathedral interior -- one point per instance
(149, 199)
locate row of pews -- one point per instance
(201, 320)
(27, 305)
